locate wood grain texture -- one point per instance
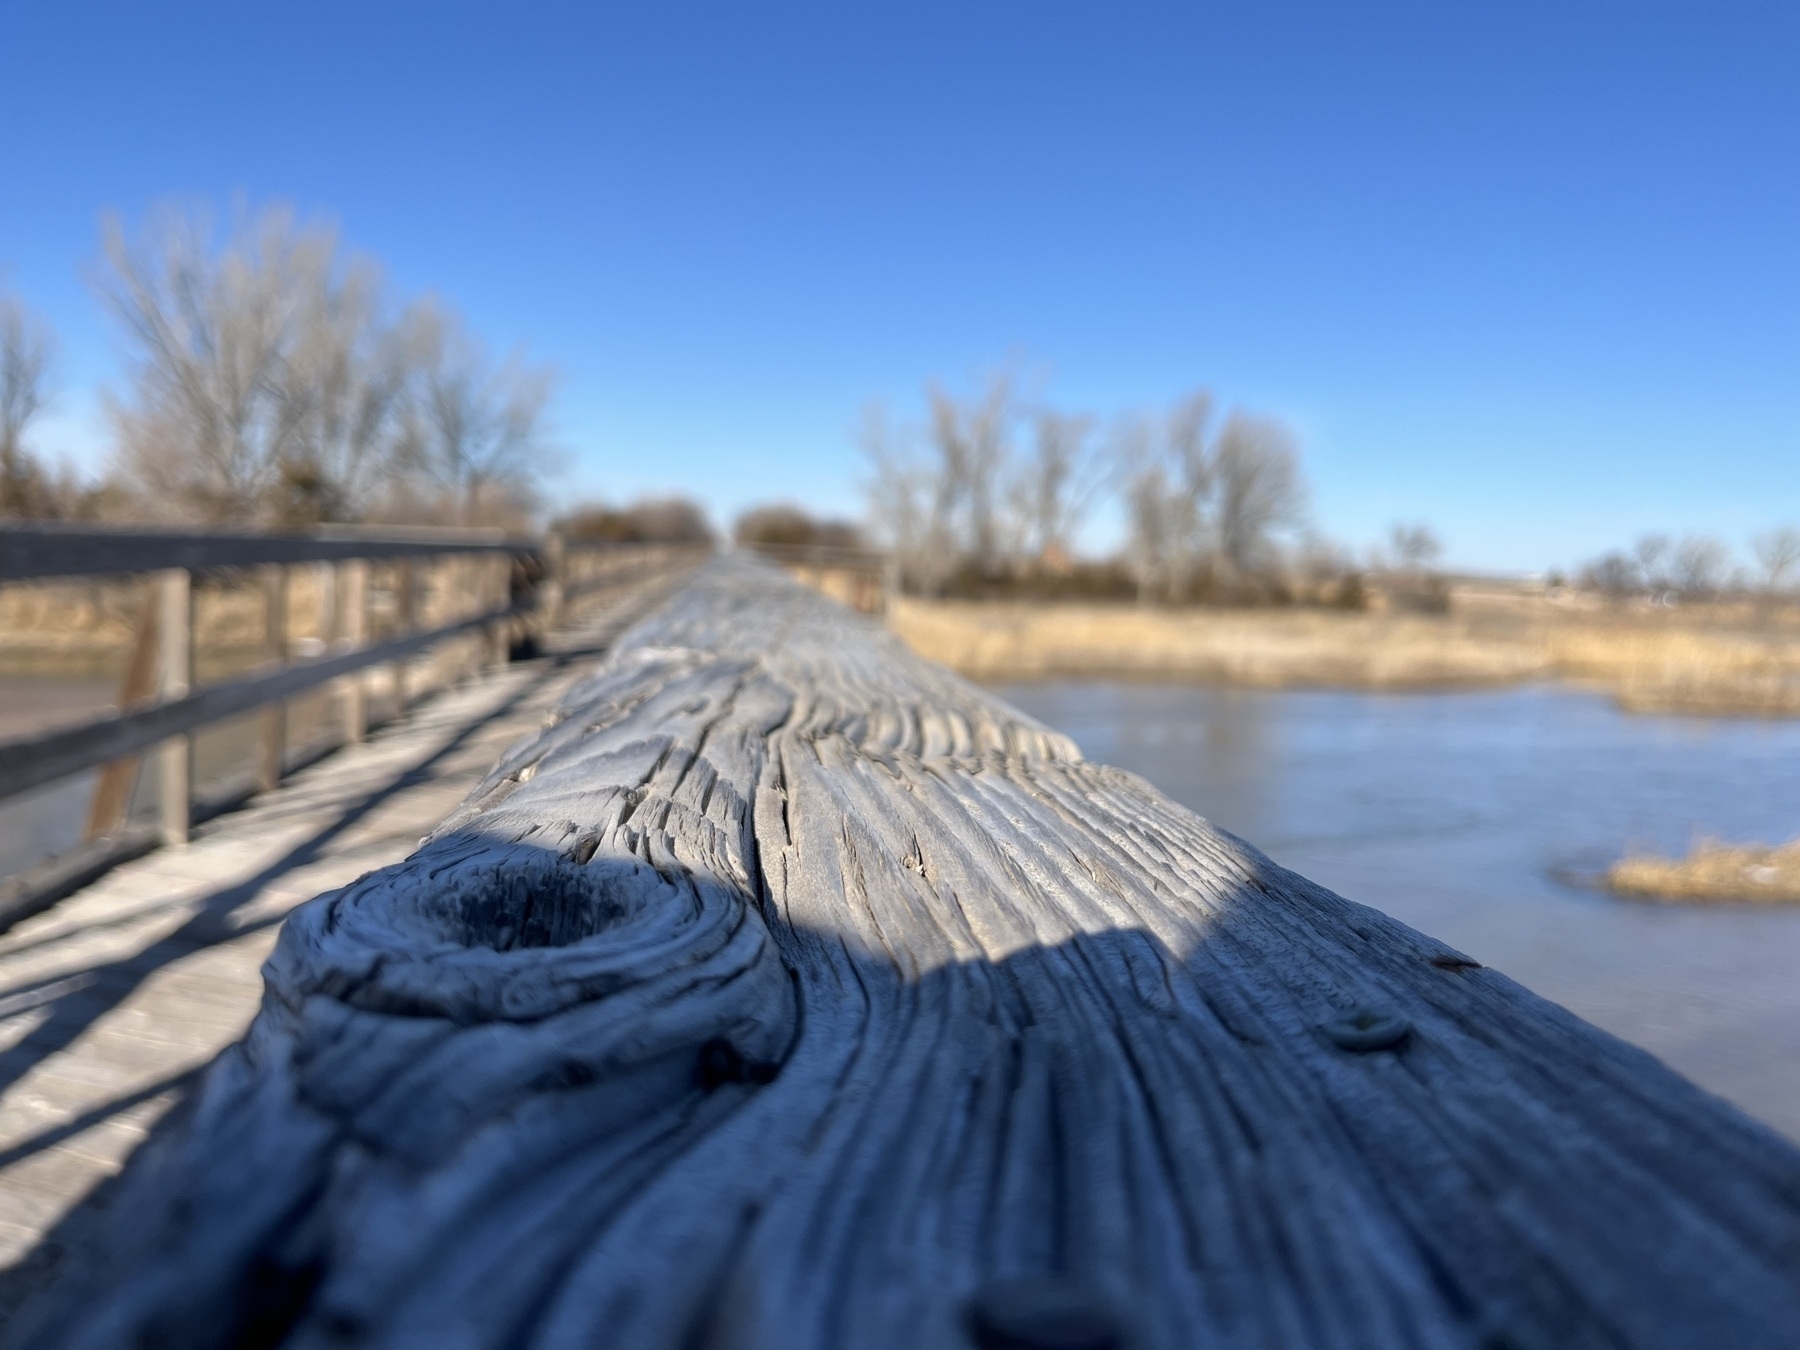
(787, 991)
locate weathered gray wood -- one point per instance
(352, 613)
(406, 614)
(272, 751)
(31, 550)
(175, 638)
(787, 991)
(117, 781)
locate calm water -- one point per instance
(40, 824)
(1462, 815)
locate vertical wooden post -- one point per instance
(113, 790)
(353, 598)
(175, 621)
(406, 604)
(498, 576)
(273, 756)
(550, 589)
(325, 582)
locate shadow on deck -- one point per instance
(113, 1001)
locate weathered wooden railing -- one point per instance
(495, 585)
(788, 991)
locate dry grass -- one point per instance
(1261, 647)
(1695, 660)
(1713, 871)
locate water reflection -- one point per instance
(1466, 814)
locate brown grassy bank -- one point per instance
(1702, 660)
(1713, 871)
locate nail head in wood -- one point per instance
(1368, 1029)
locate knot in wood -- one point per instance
(1043, 1313)
(1368, 1029)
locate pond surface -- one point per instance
(1470, 816)
(50, 820)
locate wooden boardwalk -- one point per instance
(113, 1000)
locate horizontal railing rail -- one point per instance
(32, 551)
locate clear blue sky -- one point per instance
(1530, 272)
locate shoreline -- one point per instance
(1690, 663)
(1712, 873)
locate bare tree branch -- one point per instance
(208, 329)
(1778, 554)
(269, 384)
(1256, 466)
(477, 427)
(26, 346)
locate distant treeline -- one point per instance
(1696, 567)
(987, 493)
(275, 381)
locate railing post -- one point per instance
(353, 598)
(175, 619)
(325, 584)
(406, 620)
(117, 783)
(550, 590)
(498, 571)
(273, 757)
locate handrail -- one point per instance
(32, 551)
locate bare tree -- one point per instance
(1147, 495)
(1615, 573)
(1168, 471)
(972, 439)
(1700, 565)
(1415, 547)
(1778, 554)
(1654, 557)
(208, 328)
(901, 498)
(1256, 468)
(1055, 484)
(26, 344)
(269, 383)
(1196, 508)
(936, 495)
(476, 426)
(341, 388)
